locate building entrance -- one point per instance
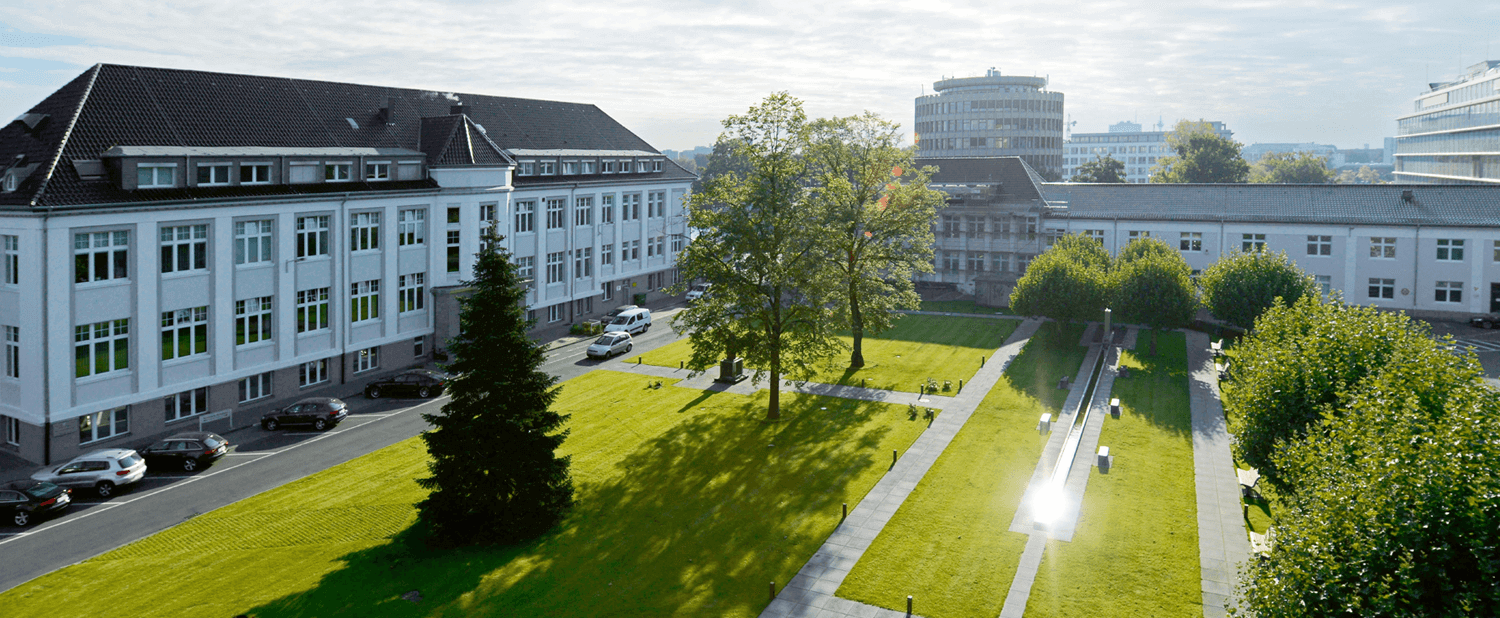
(1495, 298)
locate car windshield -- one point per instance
(700, 287)
(624, 319)
(40, 489)
(213, 441)
(129, 460)
(606, 340)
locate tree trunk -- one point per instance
(857, 329)
(1153, 341)
(773, 411)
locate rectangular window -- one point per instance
(364, 300)
(975, 261)
(1096, 235)
(453, 250)
(1191, 241)
(570, 168)
(213, 174)
(608, 290)
(367, 359)
(656, 203)
(583, 263)
(1137, 234)
(583, 306)
(526, 267)
(583, 211)
(487, 212)
(100, 425)
(252, 242)
(186, 404)
(454, 215)
(255, 387)
(607, 167)
(546, 168)
(1252, 242)
(10, 267)
(337, 172)
(364, 231)
(102, 347)
(419, 346)
(555, 213)
(635, 249)
(312, 236)
(556, 313)
(101, 256)
(641, 167)
(555, 267)
(607, 213)
(661, 245)
(252, 320)
(650, 247)
(378, 170)
(1450, 250)
(607, 254)
(1000, 262)
(1325, 283)
(311, 373)
(656, 165)
(677, 244)
(1382, 288)
(184, 248)
(184, 333)
(12, 351)
(588, 167)
(411, 228)
(12, 430)
(410, 293)
(1383, 248)
(302, 173)
(630, 207)
(255, 173)
(1320, 245)
(526, 168)
(1449, 292)
(155, 175)
(525, 216)
(312, 310)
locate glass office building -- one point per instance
(993, 116)
(1453, 134)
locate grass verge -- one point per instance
(963, 306)
(949, 545)
(688, 503)
(1135, 551)
(917, 348)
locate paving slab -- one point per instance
(1222, 540)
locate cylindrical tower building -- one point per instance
(993, 116)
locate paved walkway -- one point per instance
(810, 593)
(1222, 542)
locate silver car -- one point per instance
(610, 344)
(102, 470)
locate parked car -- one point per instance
(1486, 321)
(103, 470)
(610, 344)
(319, 412)
(422, 383)
(699, 290)
(633, 321)
(187, 451)
(28, 502)
(615, 313)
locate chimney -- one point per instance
(1406, 195)
(457, 109)
(388, 113)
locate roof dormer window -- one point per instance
(656, 165)
(155, 175)
(255, 173)
(570, 168)
(588, 167)
(10, 183)
(213, 174)
(378, 170)
(336, 171)
(526, 168)
(608, 166)
(546, 168)
(640, 166)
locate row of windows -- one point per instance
(583, 259)
(583, 210)
(1442, 291)
(161, 175)
(585, 306)
(958, 107)
(980, 261)
(955, 143)
(1448, 249)
(566, 167)
(990, 124)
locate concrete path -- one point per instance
(705, 381)
(1222, 542)
(810, 594)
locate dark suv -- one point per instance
(421, 383)
(319, 412)
(188, 451)
(29, 501)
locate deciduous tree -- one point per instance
(1153, 288)
(1201, 156)
(1291, 168)
(496, 476)
(1101, 169)
(1068, 282)
(1241, 286)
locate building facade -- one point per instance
(1126, 142)
(182, 245)
(993, 116)
(1452, 135)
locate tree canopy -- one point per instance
(1241, 286)
(496, 477)
(1068, 282)
(1291, 168)
(1145, 247)
(1101, 169)
(1155, 289)
(1201, 156)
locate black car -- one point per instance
(421, 383)
(320, 412)
(28, 501)
(188, 451)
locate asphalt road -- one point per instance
(259, 461)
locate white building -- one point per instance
(176, 243)
(1452, 135)
(1127, 143)
(990, 116)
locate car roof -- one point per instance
(636, 311)
(423, 372)
(109, 453)
(22, 484)
(194, 435)
(320, 400)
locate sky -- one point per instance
(1299, 71)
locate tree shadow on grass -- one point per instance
(694, 521)
(1157, 388)
(1052, 352)
(947, 330)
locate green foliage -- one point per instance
(1365, 176)
(1142, 247)
(1153, 288)
(1291, 168)
(1300, 364)
(1241, 286)
(725, 160)
(496, 477)
(878, 212)
(1068, 282)
(1101, 169)
(1397, 506)
(761, 244)
(1202, 156)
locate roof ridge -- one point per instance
(62, 144)
(484, 135)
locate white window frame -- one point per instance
(488, 212)
(587, 167)
(338, 171)
(607, 254)
(256, 387)
(607, 166)
(1324, 283)
(111, 338)
(455, 259)
(526, 217)
(1450, 292)
(1386, 288)
(1191, 242)
(557, 217)
(312, 373)
(607, 213)
(12, 430)
(183, 243)
(312, 310)
(583, 211)
(103, 425)
(546, 168)
(252, 320)
(570, 168)
(364, 301)
(608, 290)
(259, 173)
(1382, 247)
(157, 171)
(678, 243)
(630, 206)
(411, 292)
(12, 336)
(526, 168)
(656, 203)
(583, 263)
(1319, 245)
(377, 171)
(184, 327)
(218, 174)
(10, 260)
(555, 313)
(364, 231)
(1252, 242)
(1450, 250)
(185, 404)
(312, 236)
(419, 346)
(656, 165)
(555, 267)
(526, 267)
(411, 227)
(112, 246)
(367, 359)
(253, 241)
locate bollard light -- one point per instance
(773, 591)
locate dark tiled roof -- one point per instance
(1436, 205)
(455, 140)
(1017, 180)
(112, 105)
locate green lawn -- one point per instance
(688, 503)
(1135, 552)
(949, 545)
(917, 348)
(962, 306)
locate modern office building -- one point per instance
(177, 244)
(1452, 135)
(1126, 142)
(994, 115)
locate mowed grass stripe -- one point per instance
(949, 545)
(1135, 551)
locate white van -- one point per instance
(634, 321)
(699, 290)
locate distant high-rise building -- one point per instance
(1126, 142)
(993, 116)
(1454, 131)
